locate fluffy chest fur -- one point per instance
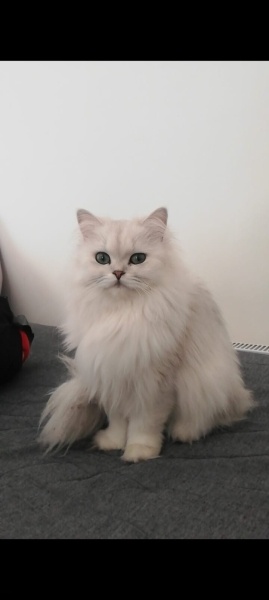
(122, 347)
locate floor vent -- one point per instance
(251, 347)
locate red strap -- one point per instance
(25, 345)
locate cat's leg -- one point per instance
(144, 440)
(69, 415)
(185, 428)
(145, 432)
(114, 436)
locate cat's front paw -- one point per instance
(137, 452)
(107, 440)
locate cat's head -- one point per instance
(123, 255)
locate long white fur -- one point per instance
(151, 353)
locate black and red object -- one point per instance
(16, 337)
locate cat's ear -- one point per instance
(87, 222)
(160, 214)
(156, 223)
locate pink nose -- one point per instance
(118, 274)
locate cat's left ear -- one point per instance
(156, 223)
(87, 222)
(161, 214)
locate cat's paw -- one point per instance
(184, 432)
(137, 452)
(107, 440)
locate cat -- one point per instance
(152, 353)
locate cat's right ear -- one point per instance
(87, 222)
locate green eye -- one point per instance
(138, 258)
(103, 258)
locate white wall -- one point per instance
(122, 138)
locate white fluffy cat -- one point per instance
(151, 349)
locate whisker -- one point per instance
(142, 286)
(94, 281)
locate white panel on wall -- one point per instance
(121, 139)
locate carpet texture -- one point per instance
(215, 488)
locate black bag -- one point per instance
(11, 351)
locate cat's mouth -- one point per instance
(119, 284)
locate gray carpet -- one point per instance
(214, 488)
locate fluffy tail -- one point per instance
(69, 414)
